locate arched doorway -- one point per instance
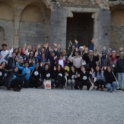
(117, 27)
(35, 24)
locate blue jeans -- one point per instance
(121, 80)
(110, 86)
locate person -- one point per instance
(16, 80)
(92, 44)
(26, 69)
(120, 70)
(47, 74)
(110, 79)
(4, 52)
(98, 76)
(90, 59)
(103, 58)
(35, 77)
(76, 60)
(112, 60)
(71, 78)
(11, 60)
(83, 78)
(58, 75)
(2, 73)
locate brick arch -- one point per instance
(34, 24)
(33, 12)
(6, 11)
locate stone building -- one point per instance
(40, 21)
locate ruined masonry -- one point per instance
(40, 21)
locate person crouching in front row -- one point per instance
(58, 75)
(47, 74)
(98, 76)
(26, 69)
(110, 79)
(71, 78)
(35, 80)
(83, 78)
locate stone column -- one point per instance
(17, 16)
(102, 28)
(58, 26)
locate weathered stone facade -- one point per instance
(34, 21)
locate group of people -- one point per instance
(74, 68)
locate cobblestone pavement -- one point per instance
(39, 106)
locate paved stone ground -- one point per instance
(38, 106)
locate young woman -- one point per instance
(35, 77)
(58, 75)
(71, 77)
(98, 76)
(47, 74)
(83, 78)
(110, 79)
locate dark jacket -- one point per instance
(71, 75)
(109, 77)
(84, 76)
(120, 65)
(47, 74)
(36, 73)
(11, 62)
(58, 74)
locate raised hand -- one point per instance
(104, 48)
(29, 47)
(121, 48)
(55, 68)
(55, 44)
(38, 46)
(24, 45)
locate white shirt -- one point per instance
(4, 54)
(61, 62)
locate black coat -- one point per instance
(36, 73)
(71, 74)
(84, 76)
(109, 77)
(90, 63)
(47, 74)
(56, 74)
(120, 65)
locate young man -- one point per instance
(11, 60)
(4, 52)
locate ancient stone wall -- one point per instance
(34, 25)
(117, 28)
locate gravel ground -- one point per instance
(39, 106)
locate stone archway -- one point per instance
(117, 27)
(34, 24)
